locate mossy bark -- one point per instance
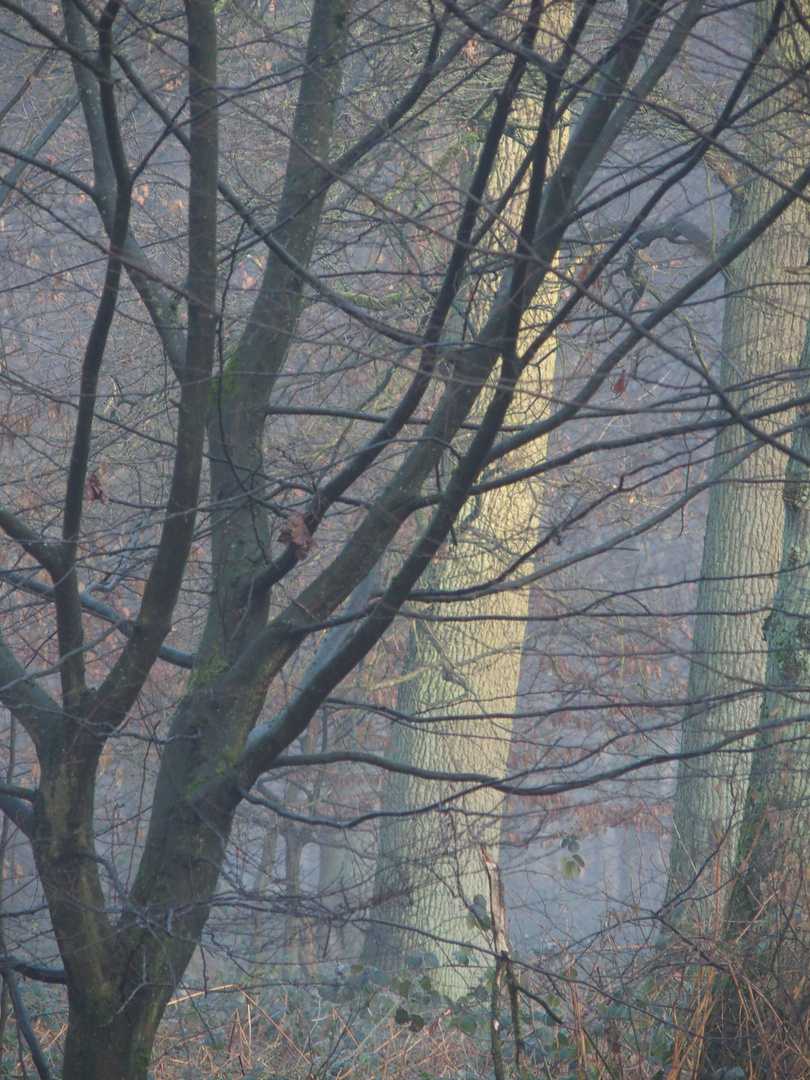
(125, 953)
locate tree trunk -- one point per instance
(429, 869)
(760, 1019)
(299, 948)
(337, 894)
(461, 674)
(742, 544)
(99, 1046)
(261, 880)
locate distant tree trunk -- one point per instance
(429, 869)
(760, 1019)
(263, 875)
(763, 330)
(336, 878)
(299, 946)
(463, 662)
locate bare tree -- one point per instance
(191, 394)
(759, 1011)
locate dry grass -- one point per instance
(648, 1025)
(239, 1037)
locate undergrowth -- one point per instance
(360, 1023)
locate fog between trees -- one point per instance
(371, 375)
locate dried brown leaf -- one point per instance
(294, 531)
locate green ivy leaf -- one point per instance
(571, 866)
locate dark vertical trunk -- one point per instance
(108, 1043)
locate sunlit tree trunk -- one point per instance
(763, 330)
(429, 867)
(461, 673)
(760, 1019)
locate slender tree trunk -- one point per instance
(742, 546)
(298, 941)
(337, 893)
(263, 875)
(463, 663)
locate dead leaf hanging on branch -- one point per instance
(294, 531)
(93, 491)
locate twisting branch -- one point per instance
(55, 976)
(122, 686)
(47, 555)
(66, 588)
(8, 970)
(96, 608)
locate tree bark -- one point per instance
(465, 659)
(742, 546)
(125, 944)
(760, 1017)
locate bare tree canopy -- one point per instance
(283, 289)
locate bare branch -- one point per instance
(97, 608)
(36, 972)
